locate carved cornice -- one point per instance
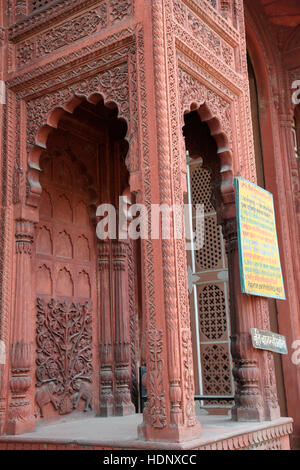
(67, 68)
(46, 17)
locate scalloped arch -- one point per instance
(45, 112)
(207, 115)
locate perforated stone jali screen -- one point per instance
(37, 4)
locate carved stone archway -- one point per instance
(213, 110)
(41, 122)
(255, 397)
(43, 113)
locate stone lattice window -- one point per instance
(209, 297)
(37, 4)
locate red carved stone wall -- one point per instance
(65, 269)
(124, 73)
(275, 59)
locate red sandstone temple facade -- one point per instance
(158, 100)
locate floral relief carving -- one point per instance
(65, 34)
(25, 52)
(120, 10)
(179, 12)
(228, 55)
(188, 376)
(70, 31)
(156, 399)
(20, 8)
(64, 349)
(36, 4)
(26, 83)
(55, 12)
(194, 25)
(203, 33)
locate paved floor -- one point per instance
(122, 432)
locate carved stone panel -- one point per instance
(64, 352)
(65, 279)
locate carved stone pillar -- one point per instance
(248, 395)
(20, 417)
(169, 414)
(123, 403)
(106, 347)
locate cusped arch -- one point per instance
(40, 128)
(208, 116)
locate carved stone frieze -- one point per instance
(212, 17)
(62, 35)
(210, 39)
(120, 10)
(64, 352)
(47, 17)
(1, 35)
(72, 30)
(209, 61)
(72, 65)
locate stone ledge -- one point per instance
(218, 433)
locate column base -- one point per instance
(272, 414)
(171, 433)
(107, 411)
(20, 427)
(248, 414)
(125, 409)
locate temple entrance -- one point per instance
(83, 360)
(208, 274)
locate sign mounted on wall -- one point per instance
(268, 341)
(260, 267)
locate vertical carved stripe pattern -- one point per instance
(178, 162)
(166, 197)
(133, 320)
(8, 235)
(3, 203)
(155, 408)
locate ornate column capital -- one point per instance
(24, 235)
(104, 250)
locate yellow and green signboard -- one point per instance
(260, 267)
